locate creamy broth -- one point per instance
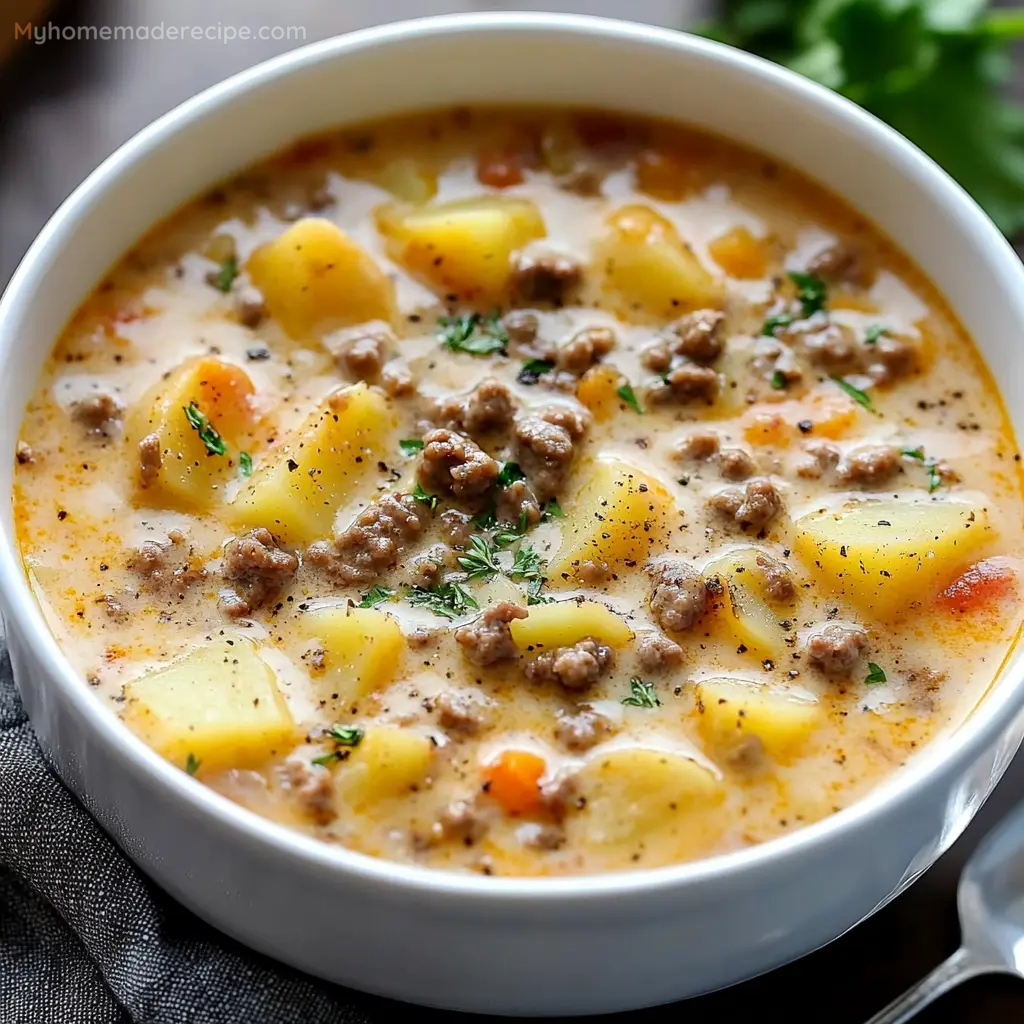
(601, 495)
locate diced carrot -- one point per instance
(767, 428)
(597, 390)
(514, 781)
(979, 586)
(739, 254)
(225, 395)
(857, 302)
(663, 175)
(498, 168)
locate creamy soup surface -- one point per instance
(525, 492)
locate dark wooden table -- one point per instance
(65, 105)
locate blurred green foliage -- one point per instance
(933, 69)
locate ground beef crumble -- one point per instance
(488, 640)
(582, 730)
(752, 508)
(150, 459)
(576, 668)
(374, 543)
(99, 413)
(679, 596)
(657, 653)
(256, 568)
(544, 452)
(454, 464)
(836, 649)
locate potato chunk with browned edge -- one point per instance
(621, 516)
(314, 278)
(388, 763)
(202, 398)
(362, 650)
(300, 485)
(216, 708)
(636, 791)
(887, 556)
(649, 266)
(732, 711)
(464, 247)
(564, 623)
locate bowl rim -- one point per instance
(24, 618)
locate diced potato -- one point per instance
(463, 247)
(300, 485)
(739, 254)
(887, 556)
(406, 179)
(646, 262)
(598, 391)
(731, 711)
(363, 649)
(632, 792)
(747, 615)
(388, 763)
(190, 477)
(488, 593)
(314, 279)
(563, 623)
(219, 706)
(620, 515)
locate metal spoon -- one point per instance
(990, 901)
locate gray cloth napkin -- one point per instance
(85, 938)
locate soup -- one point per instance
(526, 492)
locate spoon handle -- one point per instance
(950, 973)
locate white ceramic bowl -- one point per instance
(573, 945)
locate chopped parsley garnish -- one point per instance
(420, 495)
(533, 592)
(510, 473)
(526, 565)
(197, 420)
(226, 275)
(480, 559)
(770, 325)
(245, 463)
(626, 393)
(875, 674)
(344, 736)
(509, 533)
(478, 335)
(192, 764)
(860, 397)
(410, 446)
(533, 369)
(811, 291)
(552, 510)
(448, 599)
(375, 596)
(779, 380)
(641, 694)
(873, 333)
(934, 476)
(487, 519)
